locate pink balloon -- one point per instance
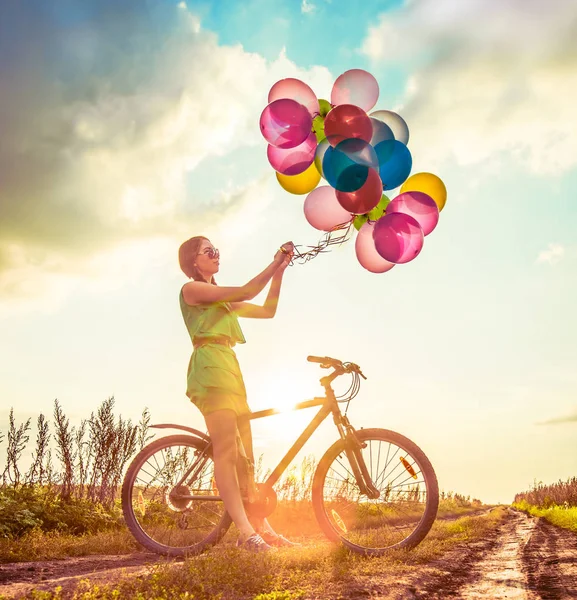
(297, 90)
(292, 161)
(418, 205)
(356, 87)
(398, 237)
(285, 123)
(322, 209)
(347, 121)
(366, 252)
(364, 199)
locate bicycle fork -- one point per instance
(353, 448)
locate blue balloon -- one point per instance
(395, 163)
(346, 167)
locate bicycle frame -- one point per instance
(328, 404)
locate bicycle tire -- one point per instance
(128, 509)
(331, 526)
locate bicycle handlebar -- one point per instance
(327, 361)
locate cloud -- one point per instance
(230, 218)
(307, 7)
(107, 114)
(559, 420)
(487, 77)
(551, 256)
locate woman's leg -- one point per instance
(246, 458)
(261, 525)
(222, 428)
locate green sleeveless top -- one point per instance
(210, 320)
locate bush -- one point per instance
(26, 508)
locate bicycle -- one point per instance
(369, 501)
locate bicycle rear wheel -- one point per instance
(158, 508)
(409, 494)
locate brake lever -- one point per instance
(357, 369)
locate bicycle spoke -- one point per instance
(161, 496)
(393, 516)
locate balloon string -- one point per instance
(336, 236)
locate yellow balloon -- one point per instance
(303, 183)
(429, 184)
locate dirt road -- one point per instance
(524, 559)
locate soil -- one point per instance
(525, 558)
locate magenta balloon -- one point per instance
(398, 237)
(366, 252)
(356, 87)
(285, 123)
(364, 199)
(297, 90)
(292, 161)
(418, 205)
(322, 209)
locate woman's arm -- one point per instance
(200, 292)
(268, 309)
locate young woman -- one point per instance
(214, 381)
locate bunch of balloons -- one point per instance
(360, 156)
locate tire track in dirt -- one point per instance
(525, 558)
(550, 562)
(500, 573)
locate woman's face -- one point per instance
(207, 259)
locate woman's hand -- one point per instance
(287, 249)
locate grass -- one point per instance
(316, 570)
(39, 545)
(561, 516)
(292, 518)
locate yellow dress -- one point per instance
(214, 379)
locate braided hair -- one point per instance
(187, 254)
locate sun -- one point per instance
(282, 394)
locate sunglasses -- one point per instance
(211, 253)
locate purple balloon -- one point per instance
(292, 161)
(366, 252)
(285, 123)
(398, 237)
(418, 205)
(381, 132)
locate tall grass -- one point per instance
(90, 458)
(556, 502)
(71, 485)
(562, 493)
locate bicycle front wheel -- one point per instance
(169, 497)
(407, 506)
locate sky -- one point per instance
(126, 128)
